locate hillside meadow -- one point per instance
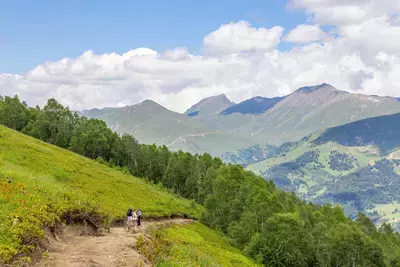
(41, 184)
(191, 245)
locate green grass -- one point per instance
(196, 245)
(40, 183)
(388, 213)
(364, 156)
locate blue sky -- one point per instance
(32, 32)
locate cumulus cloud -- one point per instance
(305, 33)
(242, 37)
(342, 12)
(239, 60)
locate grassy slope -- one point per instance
(197, 245)
(47, 181)
(364, 155)
(388, 212)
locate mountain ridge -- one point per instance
(209, 105)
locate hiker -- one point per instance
(139, 214)
(134, 218)
(129, 223)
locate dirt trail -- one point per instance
(116, 248)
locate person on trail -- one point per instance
(134, 218)
(139, 214)
(129, 223)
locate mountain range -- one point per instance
(222, 128)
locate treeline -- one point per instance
(273, 227)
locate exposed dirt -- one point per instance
(116, 248)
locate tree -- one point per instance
(126, 152)
(54, 124)
(13, 113)
(366, 224)
(94, 139)
(177, 171)
(349, 247)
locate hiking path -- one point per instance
(112, 249)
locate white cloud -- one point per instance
(305, 33)
(242, 37)
(240, 61)
(342, 12)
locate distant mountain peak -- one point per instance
(221, 98)
(148, 102)
(210, 105)
(311, 89)
(255, 105)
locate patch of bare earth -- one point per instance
(111, 249)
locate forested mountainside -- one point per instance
(356, 165)
(269, 225)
